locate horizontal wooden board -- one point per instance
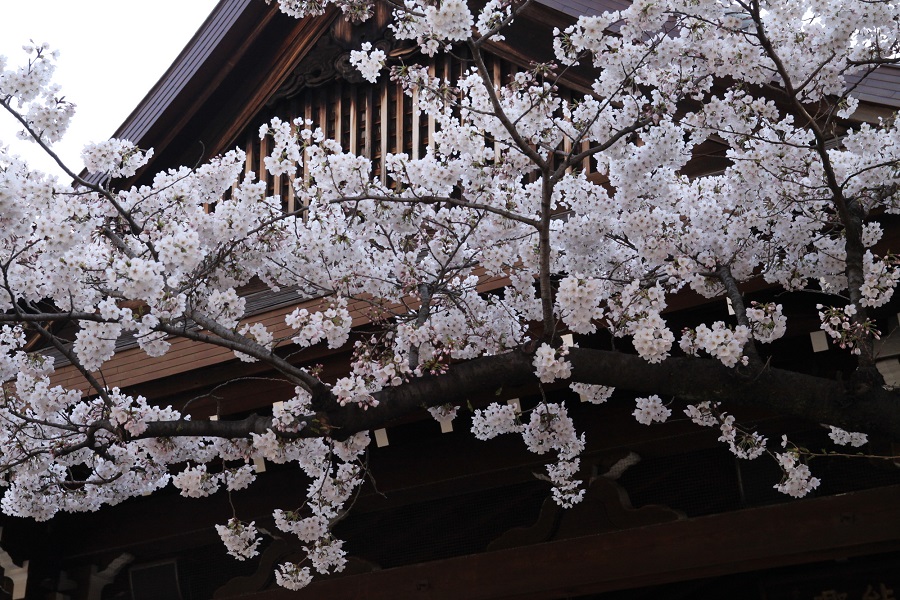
(132, 366)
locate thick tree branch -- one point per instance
(224, 429)
(813, 398)
(690, 379)
(687, 379)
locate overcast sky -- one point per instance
(111, 53)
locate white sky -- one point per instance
(111, 53)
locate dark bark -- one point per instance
(224, 429)
(690, 380)
(693, 380)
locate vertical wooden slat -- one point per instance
(274, 182)
(252, 144)
(413, 102)
(322, 98)
(260, 166)
(431, 124)
(586, 163)
(368, 116)
(352, 125)
(308, 115)
(288, 186)
(385, 123)
(276, 191)
(249, 141)
(338, 108)
(399, 97)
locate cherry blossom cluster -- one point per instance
(577, 299)
(444, 413)
(550, 363)
(196, 482)
(847, 438)
(369, 62)
(331, 325)
(30, 91)
(334, 472)
(881, 278)
(241, 539)
(743, 444)
(636, 312)
(496, 419)
(720, 341)
(116, 158)
(328, 492)
(651, 409)
(288, 416)
(767, 322)
(257, 333)
(432, 26)
(747, 445)
(797, 481)
(595, 394)
(492, 16)
(705, 414)
(292, 576)
(839, 323)
(379, 365)
(288, 142)
(549, 428)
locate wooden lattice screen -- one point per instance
(368, 119)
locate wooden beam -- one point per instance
(267, 79)
(794, 533)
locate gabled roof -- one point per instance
(187, 66)
(232, 64)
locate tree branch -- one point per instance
(690, 379)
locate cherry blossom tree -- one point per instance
(798, 204)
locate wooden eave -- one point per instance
(795, 533)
